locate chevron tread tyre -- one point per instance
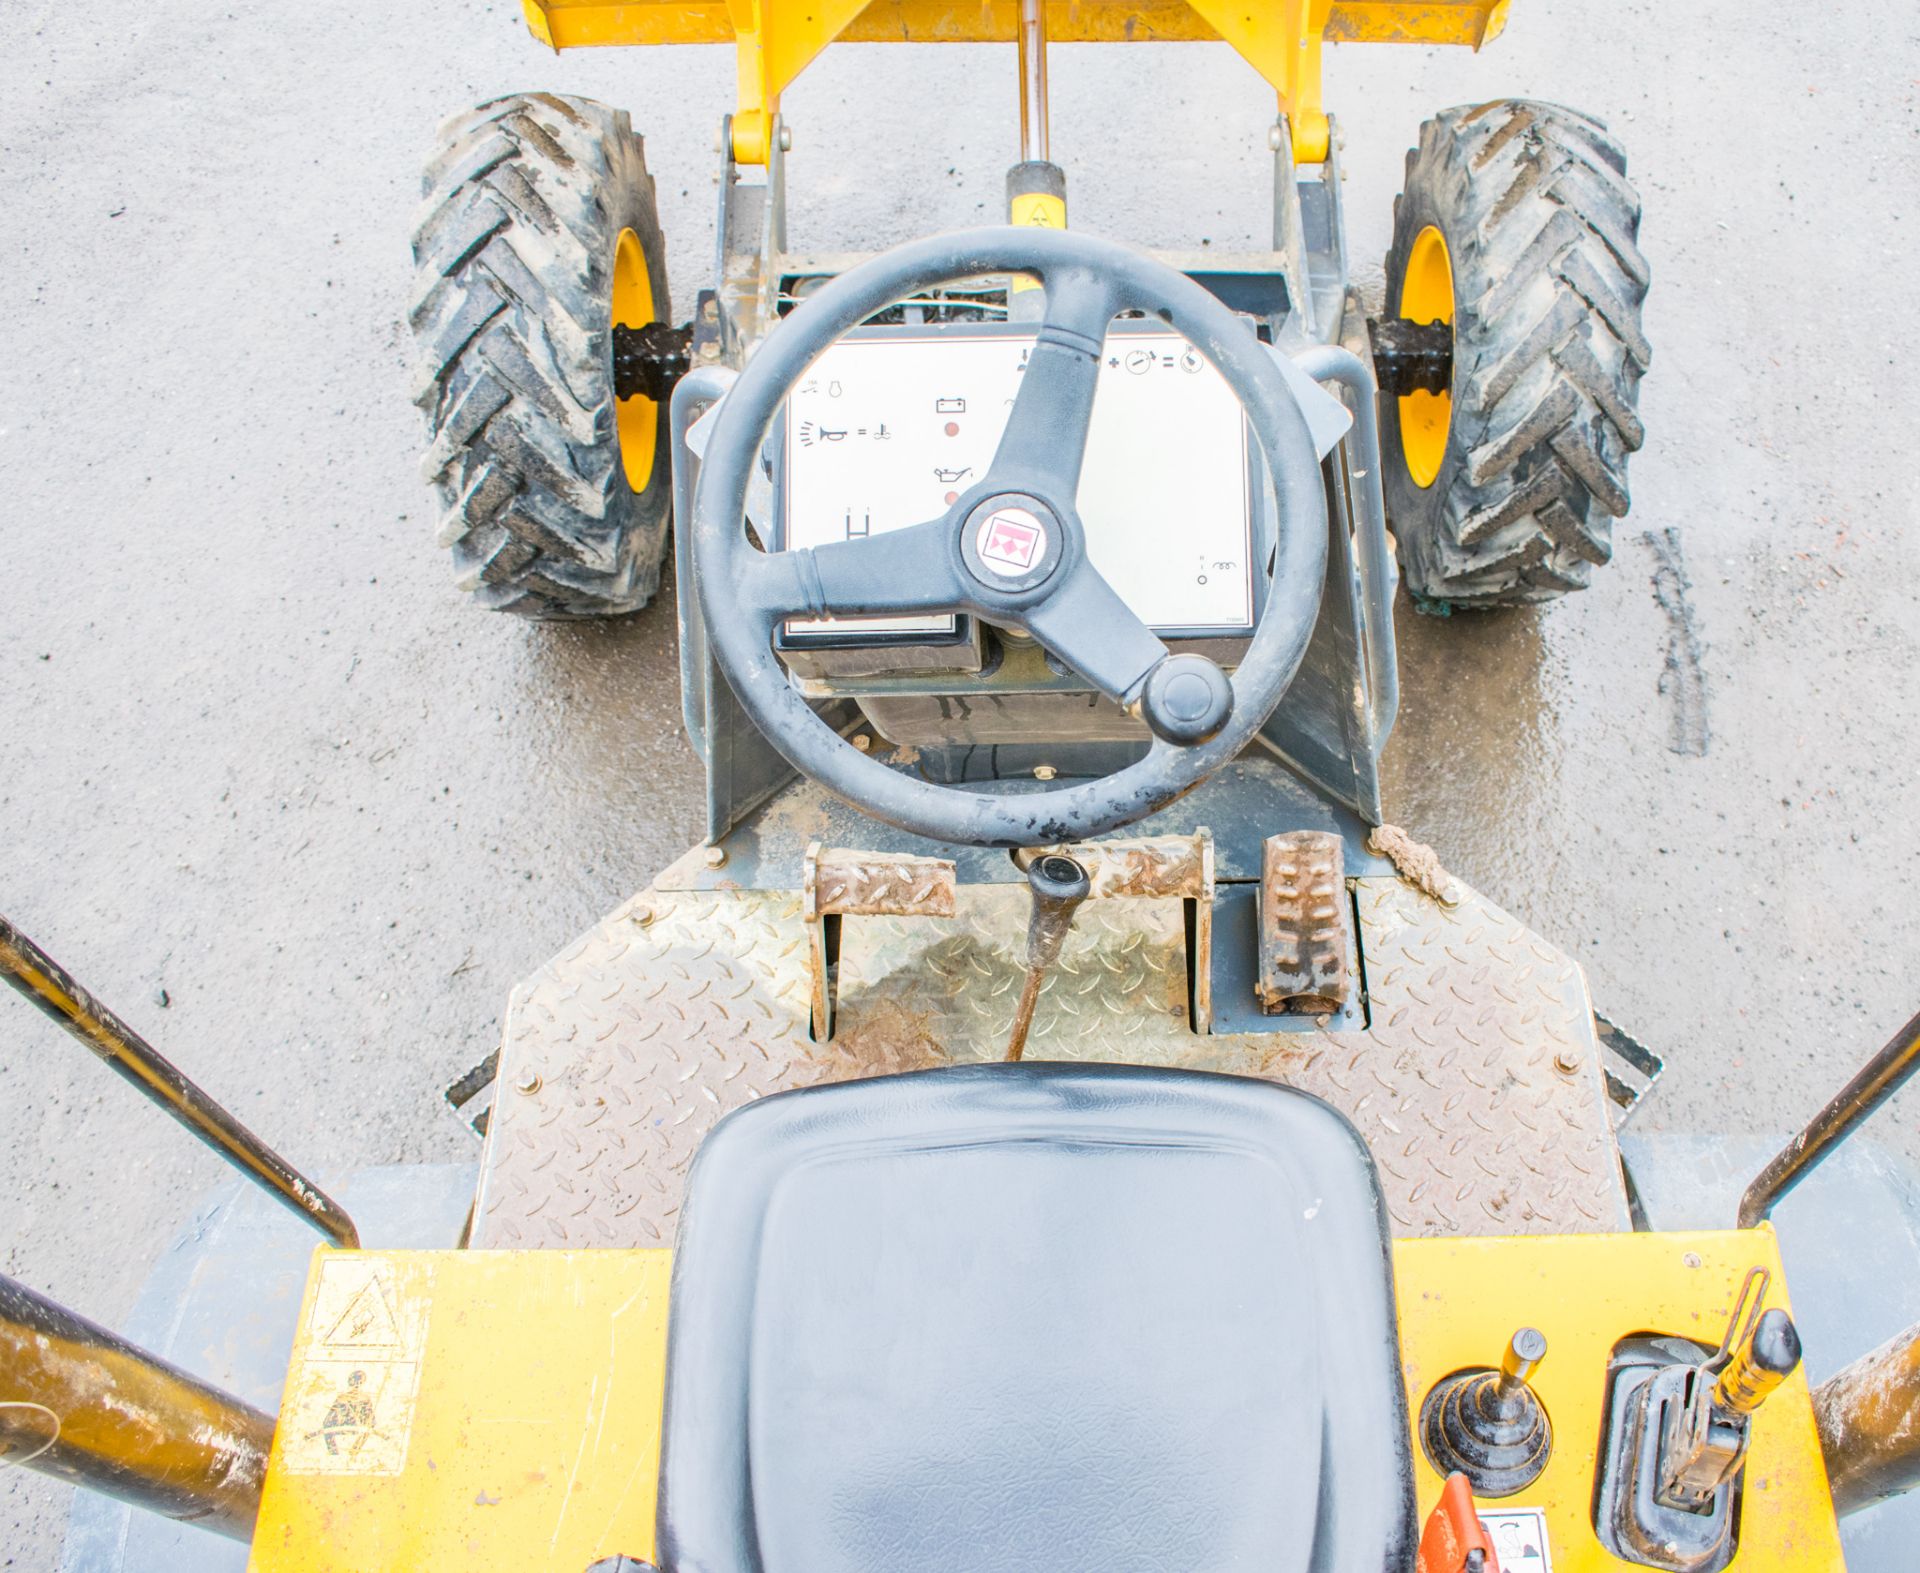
(1541, 238)
(515, 247)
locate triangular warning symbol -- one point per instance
(367, 1322)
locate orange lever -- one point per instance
(1454, 1540)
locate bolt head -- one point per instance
(716, 857)
(786, 139)
(643, 914)
(1044, 772)
(1567, 1061)
(1273, 138)
(529, 1083)
(862, 742)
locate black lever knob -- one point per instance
(1187, 699)
(1760, 1365)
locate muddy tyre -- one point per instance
(537, 233)
(1518, 226)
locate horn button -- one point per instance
(1012, 542)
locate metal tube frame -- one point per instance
(1867, 1418)
(1033, 81)
(83, 1405)
(41, 979)
(1878, 1080)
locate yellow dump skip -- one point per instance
(776, 39)
(568, 24)
(469, 1409)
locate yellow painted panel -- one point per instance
(1469, 22)
(569, 24)
(507, 1416)
(1461, 1299)
(476, 1410)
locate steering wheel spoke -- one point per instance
(893, 574)
(1086, 624)
(1045, 440)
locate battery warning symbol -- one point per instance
(950, 406)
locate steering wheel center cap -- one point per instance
(1012, 541)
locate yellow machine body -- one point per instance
(507, 1409)
(1461, 1299)
(506, 1415)
(777, 39)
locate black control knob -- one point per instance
(1488, 1424)
(1187, 699)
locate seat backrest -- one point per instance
(1037, 1317)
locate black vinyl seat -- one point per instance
(1034, 1317)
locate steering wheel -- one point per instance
(1011, 549)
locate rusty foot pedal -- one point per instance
(1165, 868)
(464, 1094)
(1632, 1069)
(842, 882)
(1306, 926)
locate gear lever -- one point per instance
(1059, 885)
(1489, 1425)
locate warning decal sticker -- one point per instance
(349, 1403)
(1519, 1536)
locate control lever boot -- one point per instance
(1703, 1440)
(1059, 885)
(1488, 1424)
(1679, 1423)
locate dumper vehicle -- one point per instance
(1509, 343)
(1053, 1120)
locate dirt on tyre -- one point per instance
(1517, 226)
(537, 233)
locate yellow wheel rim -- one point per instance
(1426, 295)
(637, 420)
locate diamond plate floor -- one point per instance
(1477, 1082)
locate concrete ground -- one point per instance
(278, 795)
